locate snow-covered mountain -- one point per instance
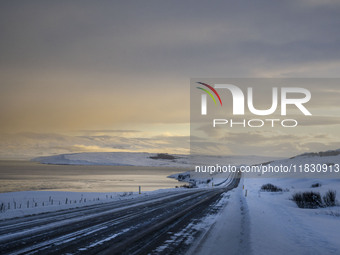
(311, 165)
(323, 157)
(117, 159)
(146, 159)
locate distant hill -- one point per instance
(145, 159)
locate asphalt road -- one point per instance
(137, 226)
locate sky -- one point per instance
(81, 76)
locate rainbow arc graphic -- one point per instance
(208, 89)
(209, 93)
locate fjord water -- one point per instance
(27, 175)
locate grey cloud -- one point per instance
(264, 143)
(29, 145)
(187, 38)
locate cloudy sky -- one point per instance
(115, 75)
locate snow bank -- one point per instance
(258, 222)
(278, 226)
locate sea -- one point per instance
(29, 176)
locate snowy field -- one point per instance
(279, 226)
(260, 222)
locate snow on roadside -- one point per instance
(228, 232)
(264, 223)
(258, 222)
(278, 226)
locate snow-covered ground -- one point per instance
(259, 222)
(264, 223)
(278, 226)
